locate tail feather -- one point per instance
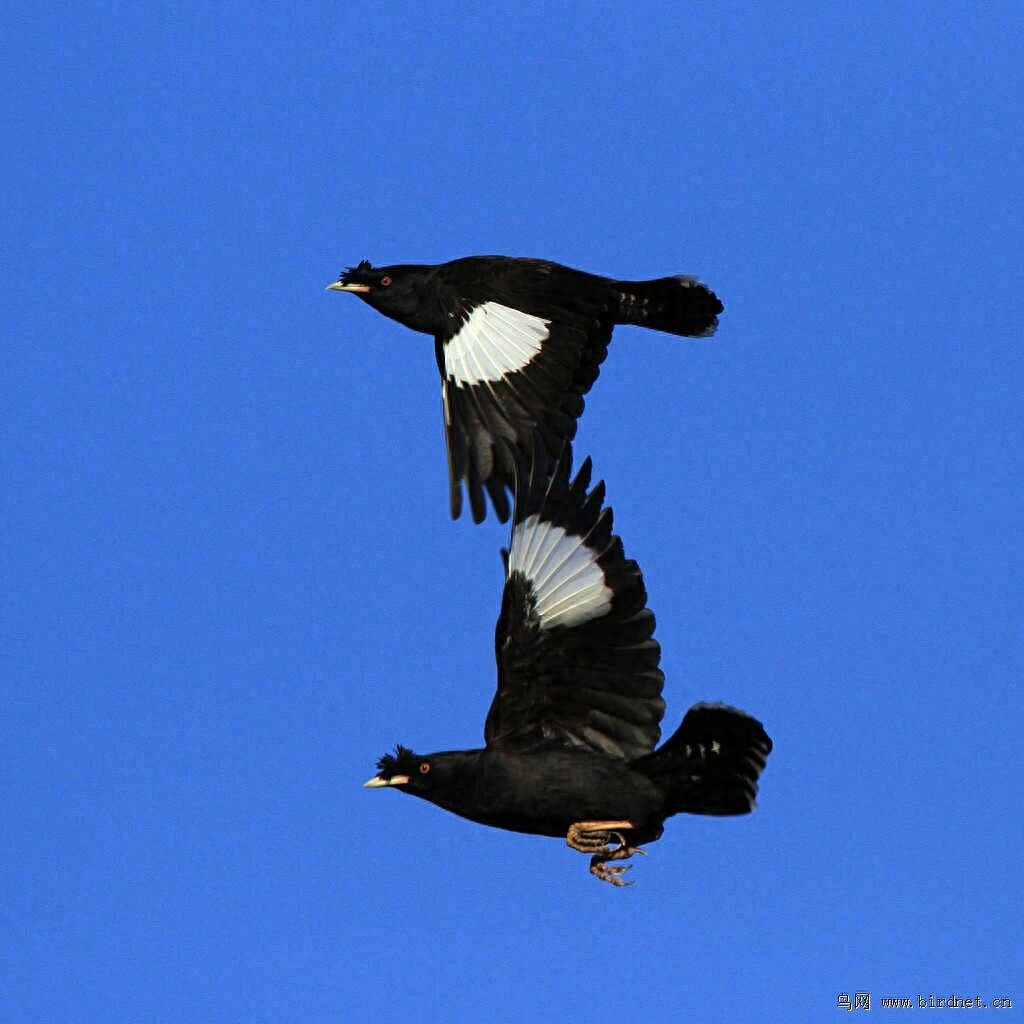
(712, 763)
(676, 305)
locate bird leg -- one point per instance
(595, 837)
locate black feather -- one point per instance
(571, 732)
(501, 385)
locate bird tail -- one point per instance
(712, 763)
(676, 305)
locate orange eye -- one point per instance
(385, 281)
(424, 768)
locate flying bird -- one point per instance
(571, 733)
(519, 342)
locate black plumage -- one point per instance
(519, 342)
(571, 732)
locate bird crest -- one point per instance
(397, 763)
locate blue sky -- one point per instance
(232, 582)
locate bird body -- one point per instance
(572, 732)
(518, 343)
(424, 297)
(541, 792)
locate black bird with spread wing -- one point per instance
(519, 342)
(571, 732)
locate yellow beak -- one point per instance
(337, 286)
(377, 781)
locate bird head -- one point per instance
(433, 777)
(399, 292)
(362, 279)
(397, 769)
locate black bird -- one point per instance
(571, 732)
(519, 342)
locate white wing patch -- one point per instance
(568, 584)
(495, 340)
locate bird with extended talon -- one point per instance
(571, 733)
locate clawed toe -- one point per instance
(623, 851)
(611, 873)
(596, 837)
(597, 842)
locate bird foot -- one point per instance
(595, 837)
(611, 873)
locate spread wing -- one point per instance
(577, 662)
(518, 356)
